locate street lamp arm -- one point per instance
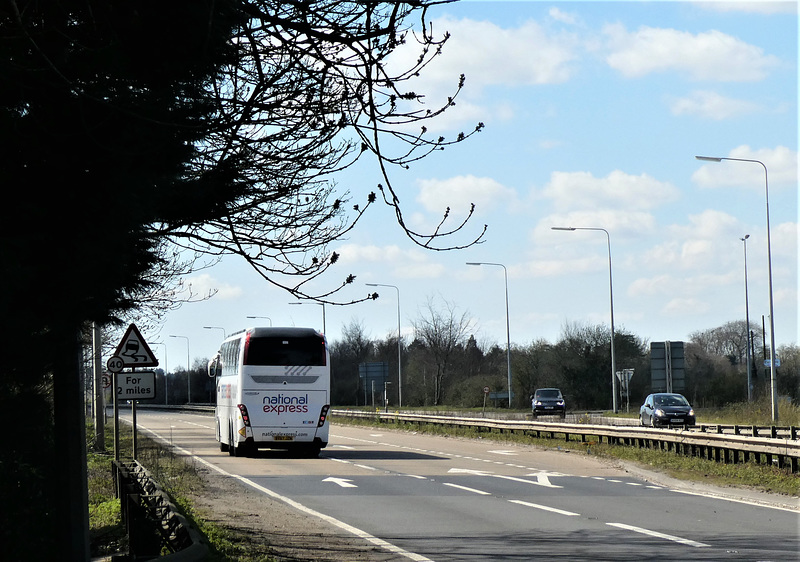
(508, 323)
(611, 302)
(773, 373)
(399, 343)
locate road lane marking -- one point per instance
(473, 490)
(656, 534)
(380, 543)
(343, 482)
(754, 503)
(541, 477)
(504, 452)
(545, 508)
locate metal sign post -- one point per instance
(132, 352)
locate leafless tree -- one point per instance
(308, 93)
(443, 331)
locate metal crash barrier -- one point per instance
(151, 520)
(728, 444)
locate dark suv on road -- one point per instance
(548, 402)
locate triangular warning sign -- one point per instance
(134, 351)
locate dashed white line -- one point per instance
(546, 508)
(656, 534)
(465, 488)
(380, 543)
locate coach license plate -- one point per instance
(283, 438)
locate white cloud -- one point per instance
(781, 163)
(711, 106)
(460, 192)
(616, 221)
(563, 17)
(618, 190)
(406, 264)
(683, 307)
(488, 55)
(205, 284)
(759, 7)
(511, 57)
(711, 55)
(695, 246)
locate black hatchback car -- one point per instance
(548, 402)
(665, 408)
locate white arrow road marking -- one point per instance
(343, 482)
(541, 477)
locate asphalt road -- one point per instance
(445, 499)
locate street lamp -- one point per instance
(188, 376)
(264, 317)
(399, 368)
(323, 312)
(747, 319)
(772, 373)
(508, 329)
(611, 300)
(216, 328)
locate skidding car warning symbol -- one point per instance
(134, 351)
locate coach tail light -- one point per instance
(323, 415)
(245, 415)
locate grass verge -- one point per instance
(178, 477)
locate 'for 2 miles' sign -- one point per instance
(136, 386)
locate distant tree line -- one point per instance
(444, 364)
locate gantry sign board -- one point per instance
(133, 352)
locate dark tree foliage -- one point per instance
(127, 127)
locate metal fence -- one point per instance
(154, 525)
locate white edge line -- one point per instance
(473, 490)
(545, 508)
(751, 503)
(658, 535)
(332, 520)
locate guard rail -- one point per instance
(728, 444)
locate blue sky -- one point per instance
(594, 112)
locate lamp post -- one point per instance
(772, 373)
(747, 320)
(264, 317)
(216, 328)
(399, 344)
(188, 375)
(323, 312)
(508, 328)
(611, 300)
